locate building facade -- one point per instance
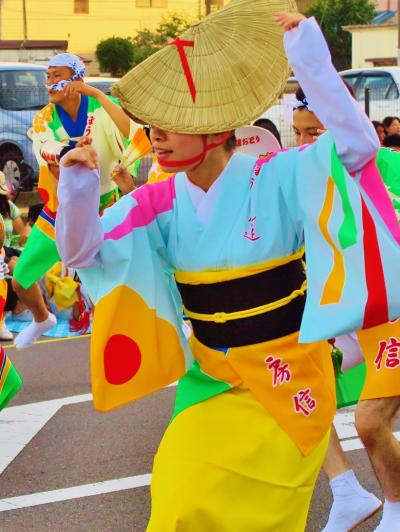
(374, 45)
(84, 23)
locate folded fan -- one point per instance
(137, 148)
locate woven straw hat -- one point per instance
(4, 190)
(230, 67)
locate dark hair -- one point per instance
(300, 96)
(392, 141)
(377, 124)
(5, 210)
(34, 211)
(388, 120)
(266, 123)
(230, 143)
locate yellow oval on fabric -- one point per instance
(133, 356)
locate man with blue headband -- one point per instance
(76, 113)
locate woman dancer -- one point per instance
(254, 408)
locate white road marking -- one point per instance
(76, 492)
(19, 424)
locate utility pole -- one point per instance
(1, 19)
(398, 32)
(24, 22)
(208, 6)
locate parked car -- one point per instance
(384, 89)
(22, 94)
(384, 92)
(102, 83)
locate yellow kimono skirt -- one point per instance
(225, 465)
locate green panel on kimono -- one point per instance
(196, 386)
(55, 124)
(11, 385)
(388, 162)
(349, 386)
(348, 229)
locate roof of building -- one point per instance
(383, 16)
(384, 19)
(32, 45)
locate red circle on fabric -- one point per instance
(122, 359)
(44, 195)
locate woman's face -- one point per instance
(305, 126)
(175, 147)
(394, 128)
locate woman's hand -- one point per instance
(319, 133)
(84, 141)
(80, 87)
(123, 179)
(288, 21)
(85, 155)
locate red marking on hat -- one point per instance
(185, 63)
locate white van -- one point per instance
(384, 89)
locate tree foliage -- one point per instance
(115, 55)
(332, 15)
(147, 42)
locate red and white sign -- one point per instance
(254, 140)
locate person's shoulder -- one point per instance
(45, 112)
(42, 118)
(388, 154)
(94, 104)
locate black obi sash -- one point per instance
(274, 285)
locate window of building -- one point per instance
(151, 3)
(81, 6)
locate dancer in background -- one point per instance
(352, 504)
(75, 110)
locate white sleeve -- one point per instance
(79, 234)
(351, 349)
(308, 53)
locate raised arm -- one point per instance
(78, 230)
(355, 137)
(117, 115)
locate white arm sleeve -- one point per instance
(355, 137)
(78, 229)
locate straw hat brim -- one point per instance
(237, 63)
(4, 191)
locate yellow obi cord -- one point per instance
(210, 277)
(223, 317)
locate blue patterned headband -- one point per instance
(302, 104)
(67, 60)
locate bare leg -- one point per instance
(33, 299)
(352, 504)
(43, 320)
(335, 461)
(11, 263)
(374, 423)
(19, 307)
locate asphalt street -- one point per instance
(66, 468)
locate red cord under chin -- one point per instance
(198, 158)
